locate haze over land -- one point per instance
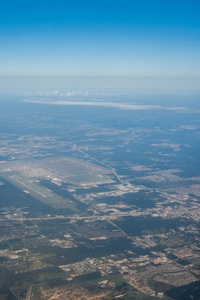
(99, 196)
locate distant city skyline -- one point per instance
(147, 40)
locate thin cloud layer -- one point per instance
(122, 106)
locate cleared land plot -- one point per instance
(74, 166)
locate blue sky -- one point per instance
(146, 38)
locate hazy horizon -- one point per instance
(103, 82)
